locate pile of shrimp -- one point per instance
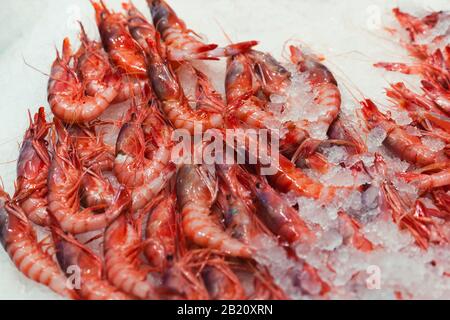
(102, 211)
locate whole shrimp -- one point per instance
(122, 245)
(19, 240)
(195, 199)
(175, 105)
(161, 234)
(123, 51)
(323, 85)
(66, 92)
(407, 147)
(63, 198)
(181, 45)
(92, 285)
(143, 154)
(32, 171)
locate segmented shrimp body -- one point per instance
(323, 85)
(175, 105)
(66, 92)
(143, 154)
(181, 44)
(236, 202)
(407, 147)
(63, 198)
(161, 234)
(195, 201)
(426, 182)
(91, 284)
(123, 51)
(19, 240)
(122, 246)
(97, 191)
(32, 171)
(97, 72)
(140, 29)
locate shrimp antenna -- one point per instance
(35, 68)
(223, 31)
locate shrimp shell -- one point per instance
(195, 201)
(19, 240)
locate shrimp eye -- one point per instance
(228, 197)
(258, 185)
(169, 257)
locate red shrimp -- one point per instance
(143, 156)
(284, 221)
(97, 73)
(426, 182)
(323, 84)
(96, 191)
(287, 178)
(274, 78)
(181, 45)
(122, 246)
(240, 82)
(241, 86)
(92, 283)
(407, 147)
(140, 29)
(63, 197)
(414, 25)
(32, 171)
(161, 234)
(236, 203)
(175, 105)
(195, 200)
(66, 92)
(123, 51)
(19, 240)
